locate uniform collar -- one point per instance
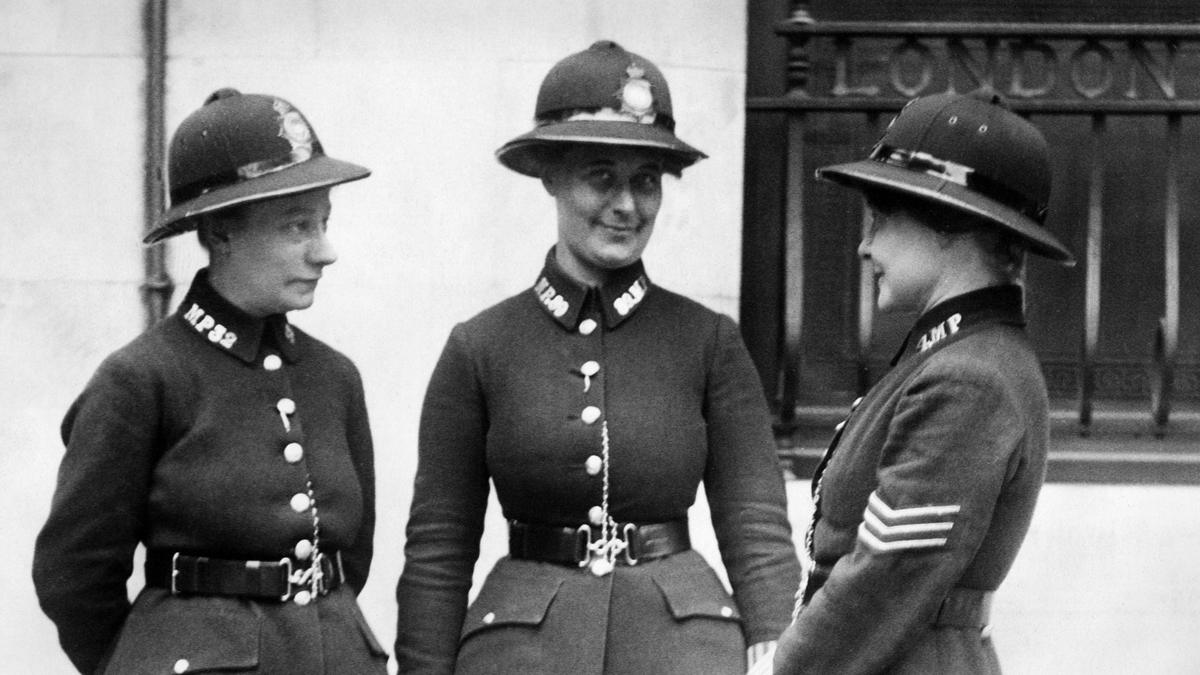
(218, 322)
(564, 299)
(995, 304)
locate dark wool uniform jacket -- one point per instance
(929, 487)
(178, 443)
(509, 402)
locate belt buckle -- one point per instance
(174, 573)
(583, 544)
(629, 531)
(285, 564)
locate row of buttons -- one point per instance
(300, 502)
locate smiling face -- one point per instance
(608, 198)
(270, 260)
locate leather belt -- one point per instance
(573, 545)
(280, 580)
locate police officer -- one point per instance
(229, 442)
(925, 494)
(596, 402)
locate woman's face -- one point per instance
(907, 259)
(271, 262)
(608, 198)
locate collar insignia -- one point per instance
(550, 298)
(204, 323)
(631, 297)
(939, 332)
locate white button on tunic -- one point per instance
(272, 362)
(293, 452)
(587, 326)
(300, 502)
(596, 515)
(181, 666)
(590, 414)
(304, 548)
(593, 465)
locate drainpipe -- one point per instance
(157, 286)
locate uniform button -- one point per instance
(300, 502)
(726, 612)
(590, 414)
(596, 515)
(839, 425)
(587, 326)
(489, 617)
(304, 548)
(856, 402)
(181, 666)
(590, 368)
(302, 598)
(272, 362)
(293, 452)
(286, 406)
(593, 465)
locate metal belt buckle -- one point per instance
(629, 530)
(583, 544)
(174, 573)
(289, 572)
(319, 585)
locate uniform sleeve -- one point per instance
(357, 559)
(950, 448)
(84, 553)
(446, 519)
(744, 485)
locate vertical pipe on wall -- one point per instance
(157, 286)
(1166, 340)
(1095, 237)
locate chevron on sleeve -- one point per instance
(885, 529)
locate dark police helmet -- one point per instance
(603, 95)
(239, 148)
(969, 152)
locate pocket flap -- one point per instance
(182, 637)
(696, 591)
(511, 596)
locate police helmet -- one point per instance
(968, 152)
(239, 148)
(603, 95)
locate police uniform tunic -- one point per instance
(525, 395)
(924, 498)
(217, 434)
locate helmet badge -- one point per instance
(637, 98)
(294, 128)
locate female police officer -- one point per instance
(229, 442)
(596, 402)
(926, 493)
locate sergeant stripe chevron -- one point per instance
(885, 529)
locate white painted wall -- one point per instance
(423, 91)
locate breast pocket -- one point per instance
(194, 635)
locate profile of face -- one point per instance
(271, 260)
(908, 260)
(608, 198)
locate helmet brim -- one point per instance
(317, 172)
(526, 153)
(872, 173)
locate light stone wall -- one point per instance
(423, 92)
